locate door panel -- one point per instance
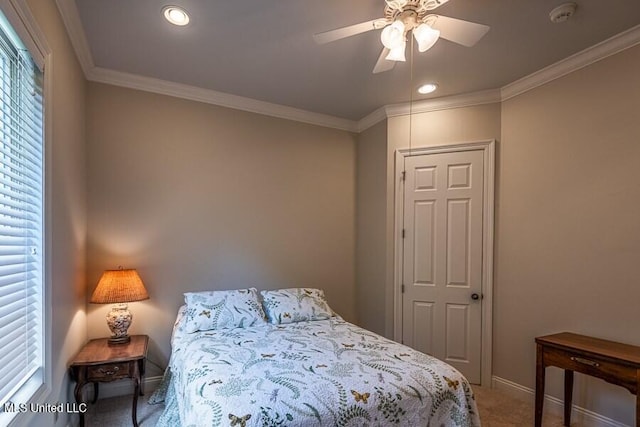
(424, 253)
(458, 328)
(423, 318)
(458, 241)
(442, 257)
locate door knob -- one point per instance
(475, 296)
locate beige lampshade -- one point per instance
(118, 286)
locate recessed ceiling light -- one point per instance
(176, 15)
(428, 88)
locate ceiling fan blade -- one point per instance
(458, 31)
(351, 30)
(383, 65)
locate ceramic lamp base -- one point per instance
(119, 340)
(119, 320)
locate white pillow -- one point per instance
(222, 310)
(295, 305)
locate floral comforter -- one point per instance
(318, 373)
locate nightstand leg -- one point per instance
(134, 409)
(568, 396)
(95, 392)
(78, 394)
(141, 368)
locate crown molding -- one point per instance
(490, 96)
(193, 93)
(71, 20)
(371, 119)
(586, 57)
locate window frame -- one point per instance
(23, 23)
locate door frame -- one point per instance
(488, 149)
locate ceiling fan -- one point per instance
(402, 17)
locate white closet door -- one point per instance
(442, 258)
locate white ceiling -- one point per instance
(263, 49)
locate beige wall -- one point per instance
(567, 233)
(66, 176)
(371, 244)
(568, 236)
(202, 197)
(567, 208)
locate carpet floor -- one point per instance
(497, 409)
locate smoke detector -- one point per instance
(563, 12)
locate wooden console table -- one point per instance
(611, 361)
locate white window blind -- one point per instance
(21, 224)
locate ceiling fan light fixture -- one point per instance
(176, 15)
(393, 35)
(404, 16)
(425, 36)
(397, 53)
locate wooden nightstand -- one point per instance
(100, 362)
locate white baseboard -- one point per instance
(553, 405)
(123, 388)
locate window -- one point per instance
(21, 225)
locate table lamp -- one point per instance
(119, 286)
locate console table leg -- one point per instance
(540, 374)
(638, 398)
(568, 396)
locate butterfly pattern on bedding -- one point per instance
(318, 373)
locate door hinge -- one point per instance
(403, 233)
(402, 288)
(404, 176)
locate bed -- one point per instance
(293, 362)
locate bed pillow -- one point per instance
(222, 310)
(295, 305)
